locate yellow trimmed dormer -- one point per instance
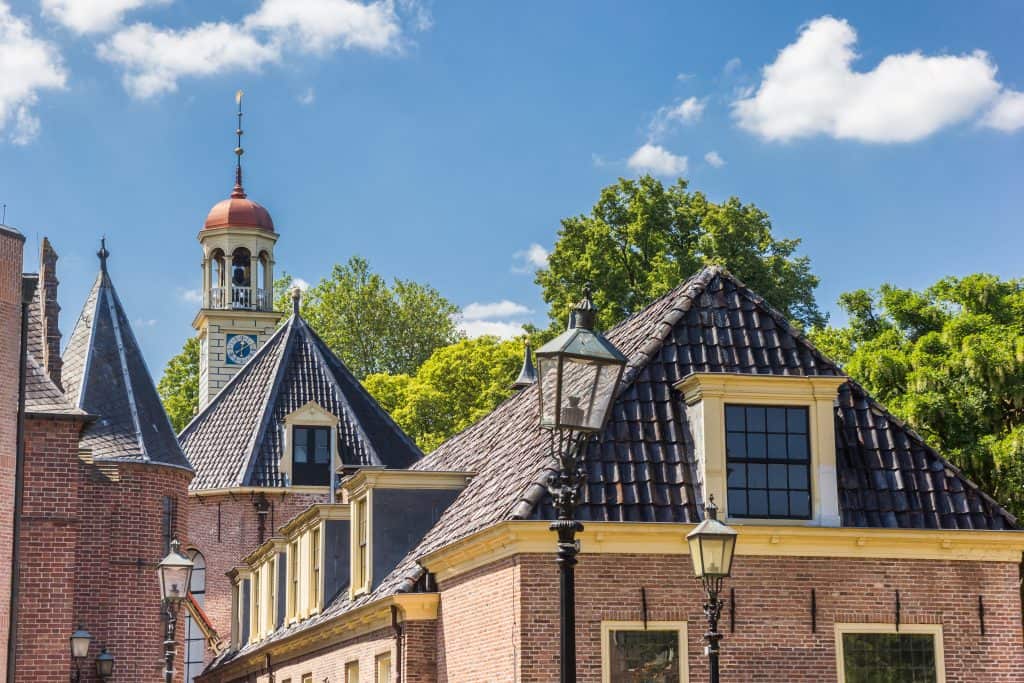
(310, 453)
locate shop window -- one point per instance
(653, 653)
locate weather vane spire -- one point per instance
(103, 253)
(239, 191)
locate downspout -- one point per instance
(397, 627)
(28, 290)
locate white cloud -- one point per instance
(300, 283)
(714, 159)
(92, 16)
(1007, 114)
(688, 111)
(534, 257)
(497, 309)
(155, 59)
(27, 65)
(494, 328)
(810, 90)
(684, 76)
(142, 322)
(657, 160)
(732, 66)
(321, 25)
(191, 296)
(308, 97)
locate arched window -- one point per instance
(215, 297)
(195, 641)
(241, 278)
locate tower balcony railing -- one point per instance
(240, 298)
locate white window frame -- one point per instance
(934, 630)
(312, 414)
(678, 626)
(379, 658)
(348, 665)
(362, 576)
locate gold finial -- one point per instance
(239, 191)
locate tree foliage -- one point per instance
(454, 388)
(950, 361)
(372, 326)
(179, 387)
(642, 239)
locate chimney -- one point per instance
(49, 311)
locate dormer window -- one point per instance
(311, 456)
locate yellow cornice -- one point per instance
(740, 386)
(264, 550)
(313, 514)
(510, 538)
(368, 618)
(380, 478)
(267, 490)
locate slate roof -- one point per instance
(42, 397)
(105, 375)
(642, 468)
(237, 440)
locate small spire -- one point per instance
(103, 253)
(584, 313)
(239, 191)
(711, 510)
(296, 300)
(528, 375)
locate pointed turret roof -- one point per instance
(238, 439)
(106, 376)
(528, 375)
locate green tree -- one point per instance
(949, 360)
(372, 326)
(642, 239)
(454, 388)
(179, 387)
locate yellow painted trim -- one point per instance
(269, 490)
(935, 630)
(361, 577)
(678, 626)
(707, 394)
(371, 617)
(510, 538)
(313, 514)
(378, 477)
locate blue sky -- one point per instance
(443, 140)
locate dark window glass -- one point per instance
(889, 658)
(311, 456)
(644, 656)
(768, 461)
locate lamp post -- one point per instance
(80, 641)
(579, 373)
(104, 665)
(175, 572)
(712, 545)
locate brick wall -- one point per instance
(117, 592)
(480, 612)
(225, 528)
(11, 246)
(773, 640)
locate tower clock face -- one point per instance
(240, 348)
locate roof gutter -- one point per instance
(28, 290)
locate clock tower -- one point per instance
(238, 313)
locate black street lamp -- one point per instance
(712, 545)
(104, 665)
(175, 576)
(80, 641)
(579, 373)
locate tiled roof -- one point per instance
(41, 395)
(105, 375)
(642, 467)
(237, 440)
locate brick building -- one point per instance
(862, 552)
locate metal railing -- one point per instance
(227, 298)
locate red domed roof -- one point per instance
(239, 212)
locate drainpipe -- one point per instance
(397, 627)
(28, 290)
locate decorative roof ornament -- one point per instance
(296, 300)
(238, 192)
(103, 254)
(528, 375)
(584, 314)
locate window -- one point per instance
(271, 610)
(293, 580)
(352, 671)
(307, 678)
(195, 641)
(768, 460)
(631, 653)
(383, 668)
(314, 572)
(877, 653)
(311, 456)
(167, 522)
(257, 589)
(361, 543)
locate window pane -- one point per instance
(736, 445)
(778, 504)
(737, 501)
(757, 503)
(734, 419)
(798, 447)
(777, 476)
(757, 476)
(885, 657)
(796, 420)
(777, 446)
(644, 656)
(756, 446)
(755, 419)
(798, 476)
(301, 453)
(737, 474)
(322, 455)
(776, 420)
(800, 503)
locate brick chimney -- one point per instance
(50, 311)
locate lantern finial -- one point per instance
(584, 313)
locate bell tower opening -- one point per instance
(238, 313)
